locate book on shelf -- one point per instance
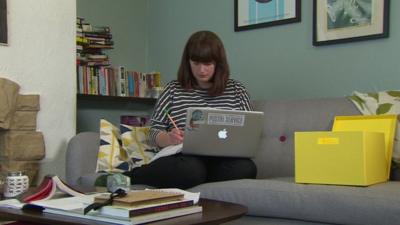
(79, 20)
(101, 29)
(121, 77)
(97, 63)
(142, 197)
(86, 27)
(100, 46)
(48, 188)
(130, 83)
(97, 56)
(142, 85)
(97, 35)
(81, 40)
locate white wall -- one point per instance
(40, 57)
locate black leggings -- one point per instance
(185, 171)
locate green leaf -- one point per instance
(374, 95)
(383, 108)
(393, 93)
(358, 100)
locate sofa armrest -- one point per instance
(81, 158)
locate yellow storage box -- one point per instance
(358, 152)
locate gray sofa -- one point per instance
(274, 197)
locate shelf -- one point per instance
(106, 98)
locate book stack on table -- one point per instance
(136, 207)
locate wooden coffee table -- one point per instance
(214, 212)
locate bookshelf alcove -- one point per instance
(104, 90)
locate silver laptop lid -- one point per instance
(218, 132)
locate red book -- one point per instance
(48, 187)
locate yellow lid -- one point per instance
(375, 123)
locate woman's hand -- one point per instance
(173, 137)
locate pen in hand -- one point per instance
(178, 131)
(171, 119)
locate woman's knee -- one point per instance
(191, 170)
(249, 168)
(243, 168)
(232, 169)
(175, 171)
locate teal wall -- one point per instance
(274, 63)
(279, 61)
(128, 22)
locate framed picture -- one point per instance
(252, 14)
(339, 21)
(3, 21)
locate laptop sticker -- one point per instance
(196, 118)
(225, 119)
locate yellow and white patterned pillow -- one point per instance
(111, 157)
(123, 149)
(136, 142)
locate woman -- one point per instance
(203, 81)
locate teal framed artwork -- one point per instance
(252, 14)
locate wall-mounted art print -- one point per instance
(3, 21)
(252, 14)
(339, 21)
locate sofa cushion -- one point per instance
(282, 198)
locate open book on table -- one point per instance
(48, 188)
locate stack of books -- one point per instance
(136, 207)
(91, 41)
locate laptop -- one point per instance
(219, 132)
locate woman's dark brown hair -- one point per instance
(205, 47)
